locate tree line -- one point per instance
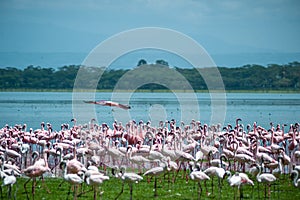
(156, 76)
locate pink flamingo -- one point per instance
(199, 176)
(73, 165)
(34, 171)
(109, 103)
(237, 180)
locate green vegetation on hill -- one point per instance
(249, 77)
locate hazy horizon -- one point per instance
(59, 59)
(233, 32)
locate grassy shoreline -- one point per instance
(181, 189)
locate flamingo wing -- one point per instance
(154, 171)
(199, 175)
(109, 103)
(132, 177)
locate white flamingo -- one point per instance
(199, 176)
(234, 181)
(156, 172)
(73, 179)
(238, 180)
(95, 179)
(10, 181)
(265, 178)
(215, 171)
(128, 177)
(139, 160)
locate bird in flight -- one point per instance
(109, 103)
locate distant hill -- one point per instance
(157, 76)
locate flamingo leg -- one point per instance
(149, 180)
(199, 190)
(130, 185)
(95, 192)
(252, 191)
(101, 192)
(15, 194)
(69, 192)
(33, 187)
(45, 186)
(219, 185)
(206, 188)
(61, 183)
(24, 188)
(187, 177)
(168, 180)
(174, 179)
(75, 192)
(121, 191)
(234, 193)
(265, 191)
(241, 193)
(9, 192)
(212, 185)
(258, 190)
(184, 170)
(155, 185)
(81, 193)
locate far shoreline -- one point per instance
(155, 91)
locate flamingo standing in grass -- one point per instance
(215, 171)
(10, 181)
(128, 177)
(199, 176)
(246, 181)
(95, 179)
(73, 179)
(33, 172)
(265, 178)
(238, 180)
(157, 171)
(139, 160)
(234, 181)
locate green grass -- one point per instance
(144, 190)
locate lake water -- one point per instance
(57, 108)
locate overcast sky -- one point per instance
(230, 26)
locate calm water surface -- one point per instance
(33, 108)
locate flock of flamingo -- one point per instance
(93, 153)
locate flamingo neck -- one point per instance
(259, 173)
(280, 160)
(296, 179)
